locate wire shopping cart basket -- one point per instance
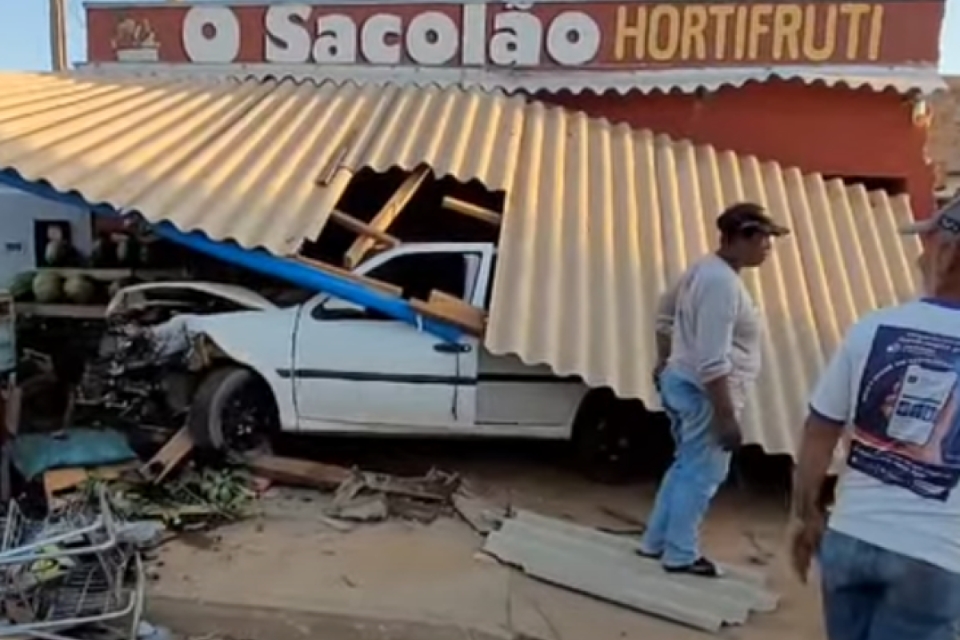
(67, 570)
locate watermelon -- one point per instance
(22, 286)
(47, 286)
(80, 289)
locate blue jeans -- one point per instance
(699, 467)
(870, 593)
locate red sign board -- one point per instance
(551, 35)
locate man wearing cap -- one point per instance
(708, 343)
(889, 553)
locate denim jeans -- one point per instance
(870, 593)
(700, 465)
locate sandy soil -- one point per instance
(290, 558)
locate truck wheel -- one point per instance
(603, 440)
(233, 410)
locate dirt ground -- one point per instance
(289, 558)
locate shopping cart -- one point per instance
(66, 571)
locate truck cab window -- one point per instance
(419, 273)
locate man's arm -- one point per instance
(666, 312)
(831, 407)
(716, 315)
(817, 446)
(830, 411)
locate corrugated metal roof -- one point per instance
(608, 567)
(598, 217)
(262, 163)
(902, 79)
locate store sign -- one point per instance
(599, 35)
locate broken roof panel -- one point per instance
(607, 566)
(598, 217)
(262, 163)
(601, 219)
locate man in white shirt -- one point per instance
(708, 341)
(890, 553)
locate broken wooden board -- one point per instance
(472, 210)
(452, 311)
(56, 481)
(300, 473)
(386, 216)
(360, 227)
(379, 285)
(170, 455)
(482, 516)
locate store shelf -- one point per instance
(109, 275)
(75, 311)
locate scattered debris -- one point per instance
(760, 556)
(299, 473)
(58, 481)
(481, 515)
(607, 567)
(170, 455)
(368, 508)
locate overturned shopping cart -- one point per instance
(68, 571)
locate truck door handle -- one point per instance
(451, 347)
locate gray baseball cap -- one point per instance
(946, 220)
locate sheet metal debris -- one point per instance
(606, 566)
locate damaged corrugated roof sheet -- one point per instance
(259, 163)
(598, 217)
(606, 566)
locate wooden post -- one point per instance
(362, 228)
(386, 216)
(58, 35)
(473, 210)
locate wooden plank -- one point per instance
(169, 456)
(472, 210)
(461, 315)
(57, 481)
(301, 473)
(362, 228)
(386, 216)
(379, 285)
(76, 311)
(472, 316)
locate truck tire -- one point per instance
(233, 410)
(604, 440)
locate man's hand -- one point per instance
(804, 540)
(657, 370)
(728, 432)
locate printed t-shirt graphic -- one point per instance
(906, 418)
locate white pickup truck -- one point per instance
(329, 366)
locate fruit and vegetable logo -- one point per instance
(134, 40)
